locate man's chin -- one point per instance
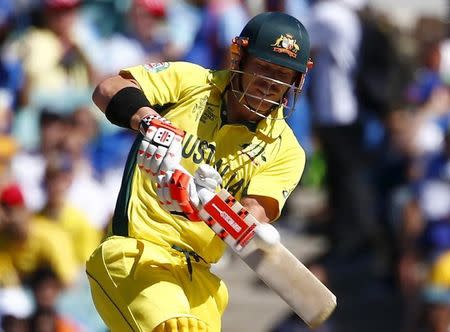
(263, 108)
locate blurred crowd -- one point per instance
(374, 120)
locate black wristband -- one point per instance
(124, 104)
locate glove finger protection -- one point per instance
(160, 148)
(173, 156)
(163, 192)
(180, 192)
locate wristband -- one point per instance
(124, 104)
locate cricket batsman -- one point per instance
(152, 273)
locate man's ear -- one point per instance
(236, 52)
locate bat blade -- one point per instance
(293, 282)
(277, 267)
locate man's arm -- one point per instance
(124, 104)
(263, 208)
(109, 87)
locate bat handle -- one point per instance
(266, 236)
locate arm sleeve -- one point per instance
(167, 83)
(281, 176)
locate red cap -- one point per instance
(61, 4)
(154, 7)
(11, 195)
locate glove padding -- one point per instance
(180, 192)
(160, 149)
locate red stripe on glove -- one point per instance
(178, 187)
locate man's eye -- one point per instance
(283, 77)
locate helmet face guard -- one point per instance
(279, 39)
(288, 100)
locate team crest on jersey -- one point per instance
(286, 44)
(156, 66)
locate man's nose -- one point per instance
(268, 86)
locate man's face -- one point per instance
(53, 134)
(14, 221)
(57, 184)
(263, 88)
(61, 21)
(146, 26)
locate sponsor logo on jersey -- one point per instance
(209, 114)
(199, 107)
(156, 67)
(286, 44)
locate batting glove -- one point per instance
(180, 192)
(160, 148)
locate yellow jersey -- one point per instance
(264, 160)
(46, 245)
(84, 237)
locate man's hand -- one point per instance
(180, 192)
(206, 179)
(160, 149)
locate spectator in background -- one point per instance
(54, 65)
(84, 238)
(136, 34)
(335, 40)
(444, 67)
(15, 309)
(148, 28)
(426, 239)
(221, 21)
(53, 128)
(437, 294)
(8, 148)
(427, 77)
(86, 191)
(184, 20)
(298, 8)
(46, 289)
(11, 323)
(26, 246)
(11, 73)
(74, 135)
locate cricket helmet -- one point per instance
(277, 38)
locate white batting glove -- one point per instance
(160, 149)
(207, 180)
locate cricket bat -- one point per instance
(262, 251)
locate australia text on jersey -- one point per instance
(202, 151)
